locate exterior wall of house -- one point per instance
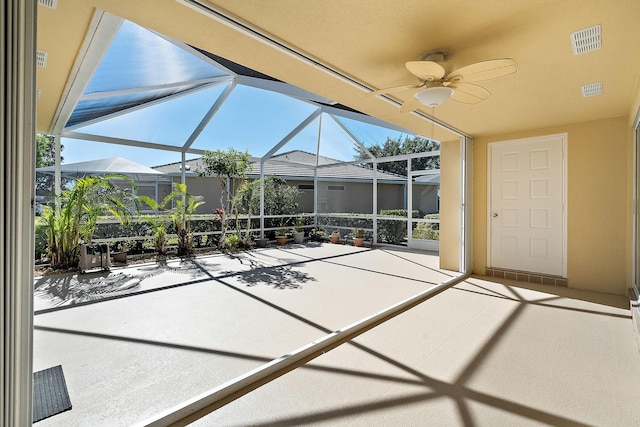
(391, 196)
(356, 197)
(207, 187)
(598, 211)
(425, 198)
(306, 196)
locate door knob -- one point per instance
(495, 215)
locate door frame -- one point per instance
(635, 247)
(490, 147)
(421, 244)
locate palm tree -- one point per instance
(185, 206)
(76, 214)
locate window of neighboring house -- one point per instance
(305, 187)
(336, 187)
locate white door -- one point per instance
(526, 205)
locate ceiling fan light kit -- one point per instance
(435, 87)
(434, 96)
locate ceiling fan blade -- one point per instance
(395, 89)
(484, 70)
(410, 105)
(425, 70)
(468, 93)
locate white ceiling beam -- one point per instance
(145, 105)
(129, 142)
(209, 115)
(352, 136)
(102, 30)
(197, 82)
(293, 133)
(283, 88)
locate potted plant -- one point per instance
(281, 236)
(358, 237)
(316, 234)
(298, 234)
(335, 236)
(261, 242)
(121, 255)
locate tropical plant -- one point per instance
(185, 205)
(246, 198)
(76, 213)
(228, 166)
(232, 242)
(299, 225)
(283, 231)
(160, 221)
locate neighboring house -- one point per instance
(150, 182)
(341, 187)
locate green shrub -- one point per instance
(428, 231)
(399, 213)
(391, 231)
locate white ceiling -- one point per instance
(370, 40)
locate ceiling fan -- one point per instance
(435, 88)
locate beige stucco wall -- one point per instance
(208, 187)
(425, 198)
(357, 197)
(598, 193)
(450, 205)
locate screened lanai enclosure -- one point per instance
(216, 326)
(161, 103)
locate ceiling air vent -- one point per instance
(586, 40)
(41, 58)
(51, 4)
(592, 89)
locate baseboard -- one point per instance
(526, 276)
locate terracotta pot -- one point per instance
(334, 239)
(358, 241)
(281, 240)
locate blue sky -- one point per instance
(250, 119)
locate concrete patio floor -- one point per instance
(483, 353)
